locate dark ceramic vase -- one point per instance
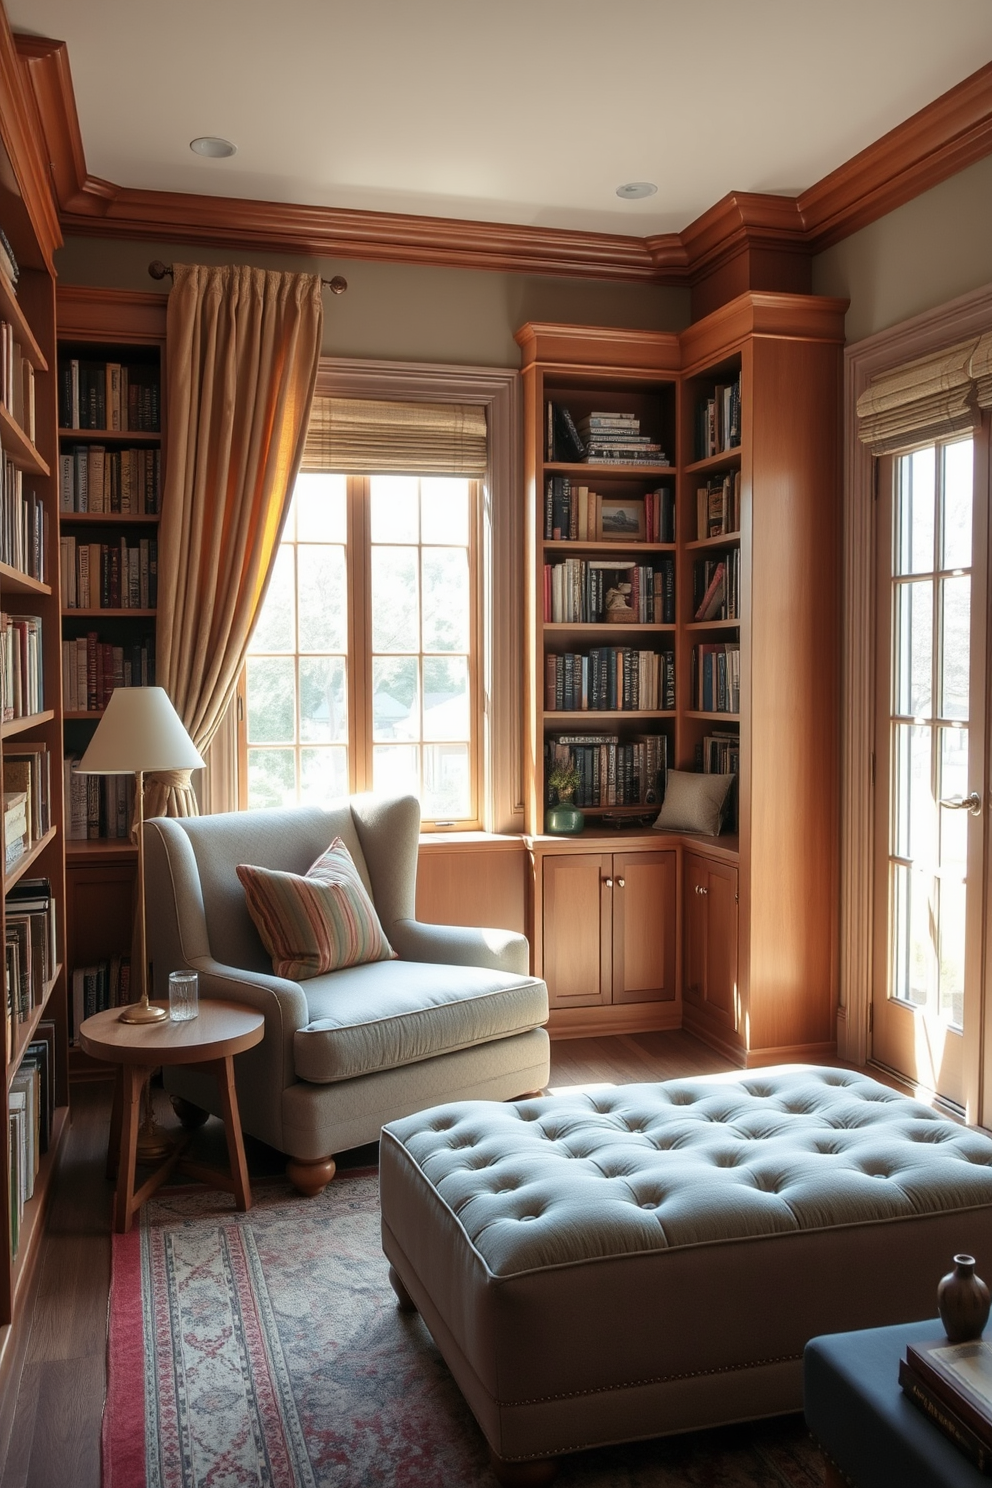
(564, 820)
(963, 1301)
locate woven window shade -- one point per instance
(359, 437)
(936, 397)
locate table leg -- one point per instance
(224, 1070)
(133, 1080)
(114, 1144)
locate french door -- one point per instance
(931, 768)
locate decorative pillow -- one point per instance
(321, 922)
(694, 803)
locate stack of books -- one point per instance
(616, 439)
(952, 1384)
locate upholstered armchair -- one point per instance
(456, 1016)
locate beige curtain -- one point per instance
(936, 397)
(360, 436)
(243, 346)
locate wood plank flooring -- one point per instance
(51, 1413)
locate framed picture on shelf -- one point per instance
(621, 519)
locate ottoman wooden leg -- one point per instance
(404, 1301)
(524, 1474)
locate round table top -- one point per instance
(218, 1030)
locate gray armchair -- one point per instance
(457, 1016)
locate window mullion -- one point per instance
(359, 632)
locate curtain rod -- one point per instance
(159, 270)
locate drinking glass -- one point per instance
(183, 995)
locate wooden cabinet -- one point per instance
(709, 916)
(756, 665)
(608, 928)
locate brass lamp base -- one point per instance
(142, 1012)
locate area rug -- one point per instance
(265, 1350)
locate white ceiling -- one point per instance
(525, 111)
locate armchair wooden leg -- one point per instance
(310, 1178)
(524, 1474)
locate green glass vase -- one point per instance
(564, 820)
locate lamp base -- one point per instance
(142, 1012)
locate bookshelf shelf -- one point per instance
(713, 624)
(102, 848)
(111, 436)
(609, 472)
(19, 448)
(554, 716)
(30, 855)
(603, 549)
(13, 581)
(106, 519)
(106, 614)
(722, 540)
(23, 725)
(26, 1031)
(37, 1207)
(722, 460)
(11, 312)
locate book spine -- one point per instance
(945, 1417)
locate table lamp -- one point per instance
(140, 731)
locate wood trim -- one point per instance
(796, 316)
(110, 315)
(601, 1019)
(21, 135)
(770, 231)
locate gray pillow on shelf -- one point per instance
(694, 803)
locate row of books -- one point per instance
(27, 771)
(599, 438)
(717, 678)
(719, 753)
(30, 1114)
(16, 381)
(22, 689)
(95, 988)
(15, 826)
(718, 506)
(610, 679)
(598, 591)
(29, 949)
(23, 523)
(108, 395)
(611, 773)
(109, 576)
(574, 513)
(96, 806)
(718, 420)
(716, 587)
(9, 267)
(92, 668)
(95, 479)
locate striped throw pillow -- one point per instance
(316, 923)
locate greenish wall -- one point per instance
(402, 312)
(931, 250)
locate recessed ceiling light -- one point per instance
(210, 145)
(634, 189)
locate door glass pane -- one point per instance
(913, 550)
(956, 534)
(914, 816)
(951, 920)
(913, 653)
(271, 686)
(955, 646)
(910, 956)
(953, 786)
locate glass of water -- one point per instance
(183, 995)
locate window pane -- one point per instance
(958, 465)
(447, 789)
(323, 585)
(395, 517)
(913, 651)
(323, 775)
(395, 600)
(913, 968)
(446, 710)
(446, 599)
(275, 630)
(271, 777)
(321, 508)
(395, 698)
(914, 808)
(956, 646)
(323, 699)
(396, 769)
(444, 510)
(271, 686)
(914, 545)
(953, 784)
(951, 921)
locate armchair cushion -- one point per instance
(392, 1013)
(317, 922)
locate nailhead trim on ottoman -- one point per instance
(644, 1259)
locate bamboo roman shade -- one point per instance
(937, 397)
(361, 437)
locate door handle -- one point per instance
(620, 883)
(608, 882)
(971, 804)
(701, 889)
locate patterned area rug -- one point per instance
(265, 1350)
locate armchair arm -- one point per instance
(281, 1002)
(461, 945)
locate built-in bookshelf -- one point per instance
(110, 403)
(35, 1087)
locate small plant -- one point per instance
(564, 779)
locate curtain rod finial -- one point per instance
(158, 269)
(337, 285)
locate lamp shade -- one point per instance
(139, 730)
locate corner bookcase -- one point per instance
(731, 936)
(36, 1086)
(110, 457)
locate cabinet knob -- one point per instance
(701, 889)
(620, 883)
(608, 882)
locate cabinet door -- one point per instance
(710, 900)
(577, 928)
(644, 899)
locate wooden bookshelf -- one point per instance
(96, 328)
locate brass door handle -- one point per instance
(971, 804)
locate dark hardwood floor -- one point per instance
(50, 1414)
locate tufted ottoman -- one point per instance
(645, 1259)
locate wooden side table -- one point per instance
(221, 1030)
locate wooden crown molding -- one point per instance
(941, 139)
(21, 136)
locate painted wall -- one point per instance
(921, 255)
(400, 312)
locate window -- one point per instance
(362, 672)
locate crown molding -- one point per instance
(21, 134)
(949, 134)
